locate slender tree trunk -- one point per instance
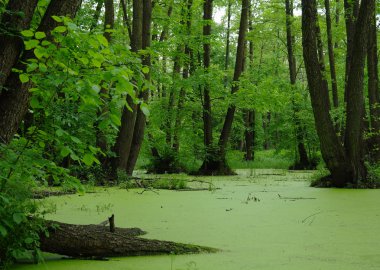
(355, 95)
(98, 9)
(303, 162)
(239, 67)
(14, 103)
(17, 17)
(124, 138)
(207, 120)
(185, 75)
(331, 148)
(334, 85)
(101, 140)
(138, 135)
(373, 93)
(126, 19)
(227, 57)
(250, 115)
(351, 9)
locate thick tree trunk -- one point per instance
(373, 93)
(303, 161)
(334, 84)
(138, 133)
(17, 17)
(14, 102)
(123, 144)
(216, 164)
(96, 241)
(355, 95)
(331, 148)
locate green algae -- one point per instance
(288, 226)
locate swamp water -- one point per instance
(262, 219)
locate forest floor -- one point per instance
(260, 219)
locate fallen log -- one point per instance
(96, 241)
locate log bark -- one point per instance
(89, 241)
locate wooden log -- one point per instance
(97, 241)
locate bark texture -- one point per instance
(97, 241)
(373, 93)
(355, 95)
(334, 84)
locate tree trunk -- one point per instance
(185, 75)
(101, 140)
(216, 164)
(250, 115)
(373, 93)
(138, 133)
(96, 241)
(126, 19)
(123, 144)
(303, 161)
(17, 17)
(98, 9)
(351, 10)
(14, 102)
(331, 148)
(207, 120)
(334, 85)
(355, 95)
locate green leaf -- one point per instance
(102, 40)
(39, 52)
(28, 240)
(74, 157)
(145, 70)
(40, 35)
(144, 109)
(115, 119)
(60, 29)
(41, 144)
(88, 159)
(18, 217)
(59, 132)
(27, 33)
(31, 44)
(57, 19)
(3, 231)
(65, 151)
(24, 78)
(75, 139)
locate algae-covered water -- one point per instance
(262, 219)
